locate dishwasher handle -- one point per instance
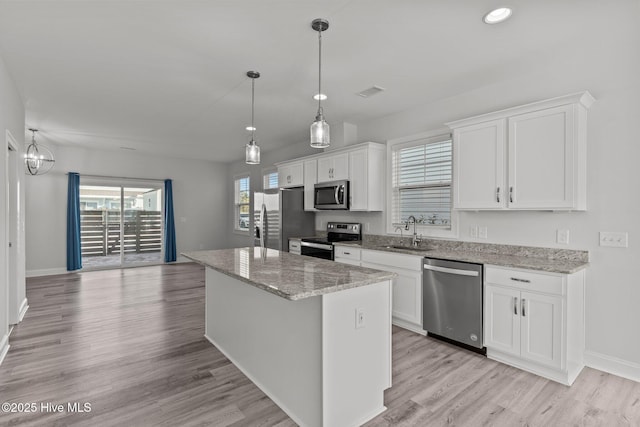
(451, 270)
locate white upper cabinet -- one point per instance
(531, 157)
(291, 174)
(333, 167)
(479, 165)
(310, 179)
(366, 178)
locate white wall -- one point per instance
(606, 61)
(199, 188)
(11, 119)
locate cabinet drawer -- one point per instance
(525, 279)
(407, 262)
(347, 252)
(294, 246)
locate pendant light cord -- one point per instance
(253, 128)
(319, 71)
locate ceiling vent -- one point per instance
(373, 90)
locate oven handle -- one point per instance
(451, 270)
(317, 245)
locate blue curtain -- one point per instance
(74, 252)
(169, 224)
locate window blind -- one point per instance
(421, 181)
(270, 180)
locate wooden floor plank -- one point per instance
(130, 342)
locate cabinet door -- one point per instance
(541, 335)
(407, 293)
(291, 175)
(358, 183)
(479, 166)
(541, 159)
(341, 166)
(310, 179)
(347, 261)
(333, 168)
(502, 319)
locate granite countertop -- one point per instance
(287, 275)
(552, 265)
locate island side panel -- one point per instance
(273, 341)
(356, 356)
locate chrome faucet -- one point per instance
(415, 239)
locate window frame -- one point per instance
(237, 205)
(426, 230)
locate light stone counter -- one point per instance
(289, 276)
(541, 259)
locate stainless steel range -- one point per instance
(322, 247)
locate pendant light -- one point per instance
(252, 152)
(320, 137)
(38, 159)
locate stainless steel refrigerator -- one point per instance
(279, 215)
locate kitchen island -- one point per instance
(313, 334)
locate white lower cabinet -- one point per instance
(535, 321)
(295, 246)
(347, 255)
(407, 285)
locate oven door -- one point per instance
(316, 250)
(332, 195)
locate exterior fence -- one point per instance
(100, 232)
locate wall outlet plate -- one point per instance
(562, 236)
(473, 231)
(614, 239)
(482, 232)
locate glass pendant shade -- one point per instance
(252, 153)
(320, 134)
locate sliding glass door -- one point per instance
(121, 225)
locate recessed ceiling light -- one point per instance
(250, 128)
(321, 96)
(497, 15)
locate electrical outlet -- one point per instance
(614, 239)
(360, 318)
(473, 231)
(562, 236)
(482, 232)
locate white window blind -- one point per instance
(421, 181)
(242, 204)
(270, 180)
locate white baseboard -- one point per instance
(410, 326)
(612, 365)
(23, 310)
(46, 272)
(4, 347)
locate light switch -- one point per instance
(614, 239)
(482, 232)
(473, 231)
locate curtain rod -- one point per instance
(116, 177)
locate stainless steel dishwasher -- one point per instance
(452, 301)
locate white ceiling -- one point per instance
(169, 76)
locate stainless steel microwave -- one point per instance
(331, 195)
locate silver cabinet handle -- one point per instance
(347, 253)
(498, 195)
(515, 279)
(522, 307)
(511, 194)
(515, 305)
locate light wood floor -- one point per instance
(130, 342)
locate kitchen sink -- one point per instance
(407, 248)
